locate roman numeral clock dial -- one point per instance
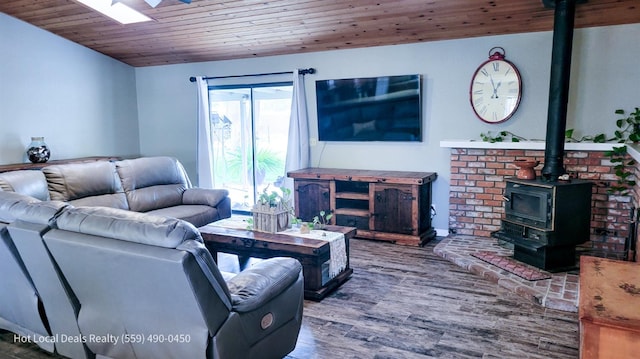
(496, 89)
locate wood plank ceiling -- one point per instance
(208, 30)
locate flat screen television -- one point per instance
(386, 108)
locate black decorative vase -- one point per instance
(38, 152)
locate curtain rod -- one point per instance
(308, 71)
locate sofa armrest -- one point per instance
(204, 196)
(262, 282)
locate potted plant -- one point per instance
(320, 221)
(273, 210)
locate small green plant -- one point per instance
(274, 198)
(502, 136)
(322, 220)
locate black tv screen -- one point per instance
(385, 108)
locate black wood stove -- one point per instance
(545, 219)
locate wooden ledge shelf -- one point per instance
(38, 166)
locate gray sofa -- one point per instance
(156, 185)
(112, 248)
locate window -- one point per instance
(249, 129)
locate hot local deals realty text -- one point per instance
(104, 339)
(63, 338)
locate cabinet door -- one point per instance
(393, 208)
(311, 198)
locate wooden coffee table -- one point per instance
(312, 253)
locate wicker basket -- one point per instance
(270, 219)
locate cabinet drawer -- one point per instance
(353, 221)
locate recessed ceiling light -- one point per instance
(118, 11)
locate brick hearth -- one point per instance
(560, 292)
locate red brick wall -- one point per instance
(477, 184)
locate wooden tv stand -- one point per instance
(392, 206)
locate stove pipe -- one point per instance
(559, 87)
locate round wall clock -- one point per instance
(496, 88)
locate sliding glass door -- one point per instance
(250, 126)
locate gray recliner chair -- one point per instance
(34, 300)
(21, 310)
(148, 288)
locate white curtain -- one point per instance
(298, 153)
(205, 147)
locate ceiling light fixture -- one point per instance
(117, 11)
(154, 3)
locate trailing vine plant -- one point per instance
(628, 131)
(502, 136)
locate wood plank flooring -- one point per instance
(407, 302)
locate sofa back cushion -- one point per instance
(86, 184)
(13, 204)
(128, 226)
(28, 182)
(152, 182)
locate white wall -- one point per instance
(82, 102)
(605, 77)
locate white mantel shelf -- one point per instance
(633, 149)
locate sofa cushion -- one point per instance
(152, 182)
(12, 204)
(127, 226)
(198, 215)
(86, 184)
(27, 182)
(205, 196)
(40, 212)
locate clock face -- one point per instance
(495, 92)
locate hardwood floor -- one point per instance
(407, 302)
